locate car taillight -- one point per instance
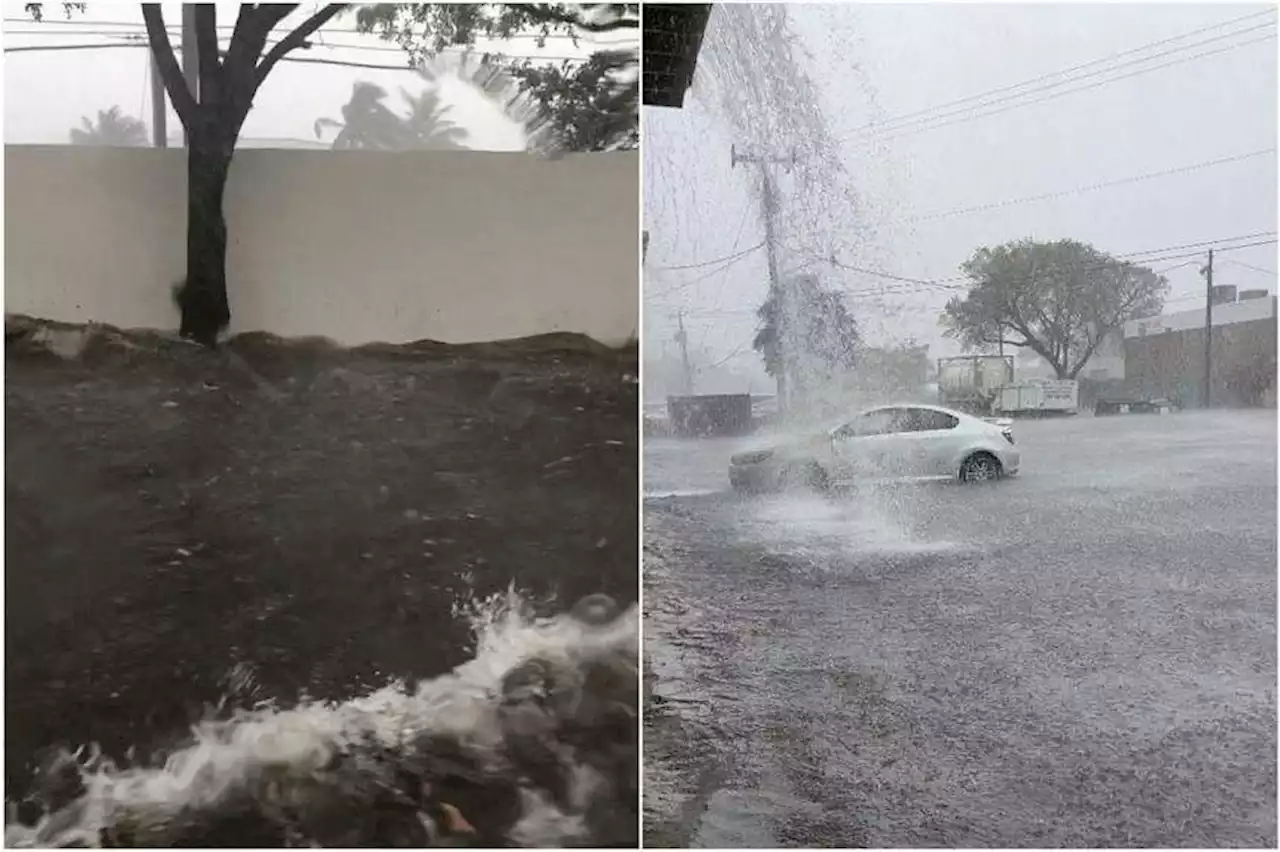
(1008, 435)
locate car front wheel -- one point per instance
(807, 475)
(980, 467)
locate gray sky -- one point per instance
(47, 93)
(872, 63)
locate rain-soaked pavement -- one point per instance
(1081, 656)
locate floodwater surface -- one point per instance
(1083, 655)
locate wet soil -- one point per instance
(272, 520)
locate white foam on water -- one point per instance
(227, 755)
(678, 492)
(876, 524)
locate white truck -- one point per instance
(1037, 398)
(970, 383)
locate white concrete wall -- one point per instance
(355, 246)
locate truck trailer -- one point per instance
(970, 383)
(1038, 398)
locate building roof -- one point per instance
(1228, 313)
(672, 38)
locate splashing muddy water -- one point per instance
(531, 742)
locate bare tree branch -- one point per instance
(248, 39)
(297, 38)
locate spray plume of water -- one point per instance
(751, 74)
(530, 742)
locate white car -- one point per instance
(889, 441)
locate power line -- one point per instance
(961, 282)
(1261, 269)
(983, 207)
(1175, 266)
(1047, 196)
(319, 42)
(685, 285)
(313, 61)
(941, 284)
(704, 263)
(178, 50)
(876, 127)
(909, 285)
(1054, 95)
(874, 272)
(737, 241)
(173, 28)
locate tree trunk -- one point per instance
(202, 298)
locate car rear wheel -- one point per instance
(980, 467)
(807, 475)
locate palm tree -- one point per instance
(428, 126)
(114, 128)
(368, 123)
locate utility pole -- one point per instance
(159, 100)
(777, 289)
(1207, 272)
(682, 337)
(190, 56)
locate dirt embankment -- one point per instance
(279, 517)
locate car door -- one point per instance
(864, 446)
(929, 441)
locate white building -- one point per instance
(1227, 313)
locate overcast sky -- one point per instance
(48, 92)
(873, 63)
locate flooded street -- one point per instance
(1080, 656)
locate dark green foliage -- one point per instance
(590, 106)
(816, 326)
(1059, 299)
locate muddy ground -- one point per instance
(273, 520)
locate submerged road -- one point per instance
(1081, 656)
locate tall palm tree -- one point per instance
(428, 125)
(114, 128)
(368, 123)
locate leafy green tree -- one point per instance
(1059, 299)
(805, 329)
(589, 106)
(113, 128)
(368, 123)
(212, 115)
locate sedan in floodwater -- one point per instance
(889, 441)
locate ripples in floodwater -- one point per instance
(880, 524)
(531, 742)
